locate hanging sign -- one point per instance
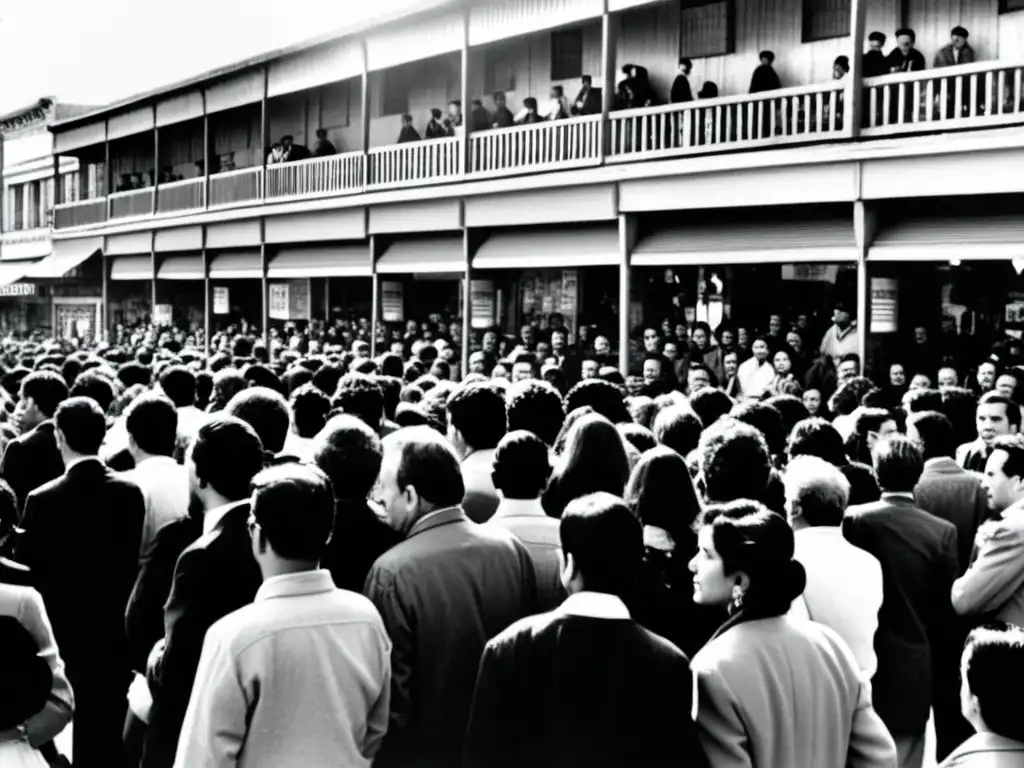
(884, 305)
(279, 301)
(221, 302)
(163, 315)
(392, 302)
(569, 298)
(482, 297)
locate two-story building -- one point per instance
(899, 194)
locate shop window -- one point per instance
(707, 30)
(1009, 6)
(500, 70)
(567, 54)
(824, 19)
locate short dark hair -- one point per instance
(293, 504)
(427, 463)
(391, 388)
(792, 410)
(349, 452)
(179, 384)
(677, 427)
(266, 411)
(710, 405)
(766, 55)
(361, 396)
(994, 664)
(921, 400)
(134, 373)
(47, 390)
(734, 461)
(478, 412)
(605, 542)
(522, 466)
(1013, 446)
(228, 454)
(310, 407)
(536, 407)
(152, 421)
(767, 420)
(814, 436)
(637, 435)
(877, 37)
(95, 385)
(604, 397)
(83, 425)
(936, 433)
(906, 31)
(391, 365)
(1012, 411)
(898, 464)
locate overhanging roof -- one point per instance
(941, 238)
(321, 261)
(423, 255)
(13, 272)
(65, 256)
(548, 247)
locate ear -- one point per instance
(742, 580)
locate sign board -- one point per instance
(163, 315)
(812, 273)
(569, 297)
(18, 289)
(289, 300)
(483, 299)
(392, 301)
(279, 301)
(884, 305)
(221, 301)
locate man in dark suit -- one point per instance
(81, 543)
(585, 679)
(443, 593)
(996, 415)
(33, 459)
(588, 100)
(214, 576)
(917, 552)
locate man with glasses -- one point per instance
(302, 676)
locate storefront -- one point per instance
(236, 287)
(180, 298)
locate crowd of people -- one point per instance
(317, 557)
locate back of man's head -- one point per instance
(361, 396)
(934, 434)
(293, 505)
(735, 462)
(898, 464)
(427, 462)
(921, 400)
(82, 424)
(96, 386)
(227, 454)
(477, 411)
(267, 412)
(605, 541)
(349, 453)
(47, 389)
(152, 422)
(603, 396)
(179, 384)
(536, 407)
(710, 405)
(817, 490)
(677, 427)
(522, 466)
(767, 420)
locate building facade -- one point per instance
(895, 194)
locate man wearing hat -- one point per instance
(958, 51)
(874, 59)
(905, 57)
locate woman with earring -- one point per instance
(773, 692)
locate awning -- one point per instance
(181, 267)
(65, 256)
(950, 237)
(240, 265)
(131, 267)
(430, 255)
(546, 247)
(12, 273)
(321, 261)
(760, 242)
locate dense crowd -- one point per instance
(314, 557)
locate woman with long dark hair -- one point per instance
(594, 459)
(774, 692)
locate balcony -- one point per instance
(415, 164)
(986, 94)
(242, 186)
(80, 213)
(135, 202)
(186, 195)
(318, 176)
(553, 146)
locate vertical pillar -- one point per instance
(608, 49)
(466, 150)
(467, 301)
(206, 158)
(374, 296)
(264, 132)
(327, 303)
(207, 303)
(627, 239)
(105, 296)
(108, 172)
(4, 223)
(152, 271)
(364, 116)
(156, 161)
(855, 79)
(55, 201)
(265, 289)
(864, 228)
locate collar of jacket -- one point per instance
(437, 518)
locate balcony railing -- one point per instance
(786, 116)
(551, 145)
(186, 195)
(80, 213)
(244, 185)
(415, 163)
(135, 202)
(336, 174)
(979, 95)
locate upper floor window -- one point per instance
(396, 93)
(707, 30)
(1009, 6)
(567, 54)
(824, 19)
(500, 69)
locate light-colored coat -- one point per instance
(994, 584)
(300, 677)
(987, 750)
(780, 693)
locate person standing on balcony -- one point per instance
(682, 89)
(479, 118)
(765, 77)
(529, 114)
(588, 100)
(503, 117)
(408, 132)
(875, 63)
(276, 154)
(435, 128)
(323, 147)
(453, 121)
(958, 51)
(557, 107)
(904, 57)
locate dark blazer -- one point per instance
(918, 554)
(957, 496)
(358, 539)
(973, 455)
(444, 592)
(214, 576)
(31, 460)
(81, 542)
(561, 691)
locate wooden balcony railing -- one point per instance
(552, 145)
(244, 185)
(135, 202)
(333, 175)
(786, 116)
(415, 163)
(186, 195)
(80, 213)
(979, 95)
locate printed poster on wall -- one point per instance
(569, 292)
(482, 298)
(163, 315)
(279, 301)
(884, 305)
(392, 303)
(221, 302)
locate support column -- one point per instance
(206, 159)
(265, 290)
(364, 116)
(264, 133)
(466, 150)
(108, 172)
(152, 282)
(207, 298)
(156, 161)
(467, 301)
(105, 294)
(374, 296)
(4, 223)
(609, 40)
(55, 201)
(627, 240)
(854, 92)
(864, 229)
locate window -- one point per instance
(500, 70)
(335, 105)
(567, 54)
(707, 30)
(1009, 6)
(396, 95)
(18, 193)
(824, 19)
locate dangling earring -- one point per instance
(737, 598)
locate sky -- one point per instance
(98, 51)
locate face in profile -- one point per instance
(711, 586)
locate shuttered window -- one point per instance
(824, 19)
(706, 30)
(567, 54)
